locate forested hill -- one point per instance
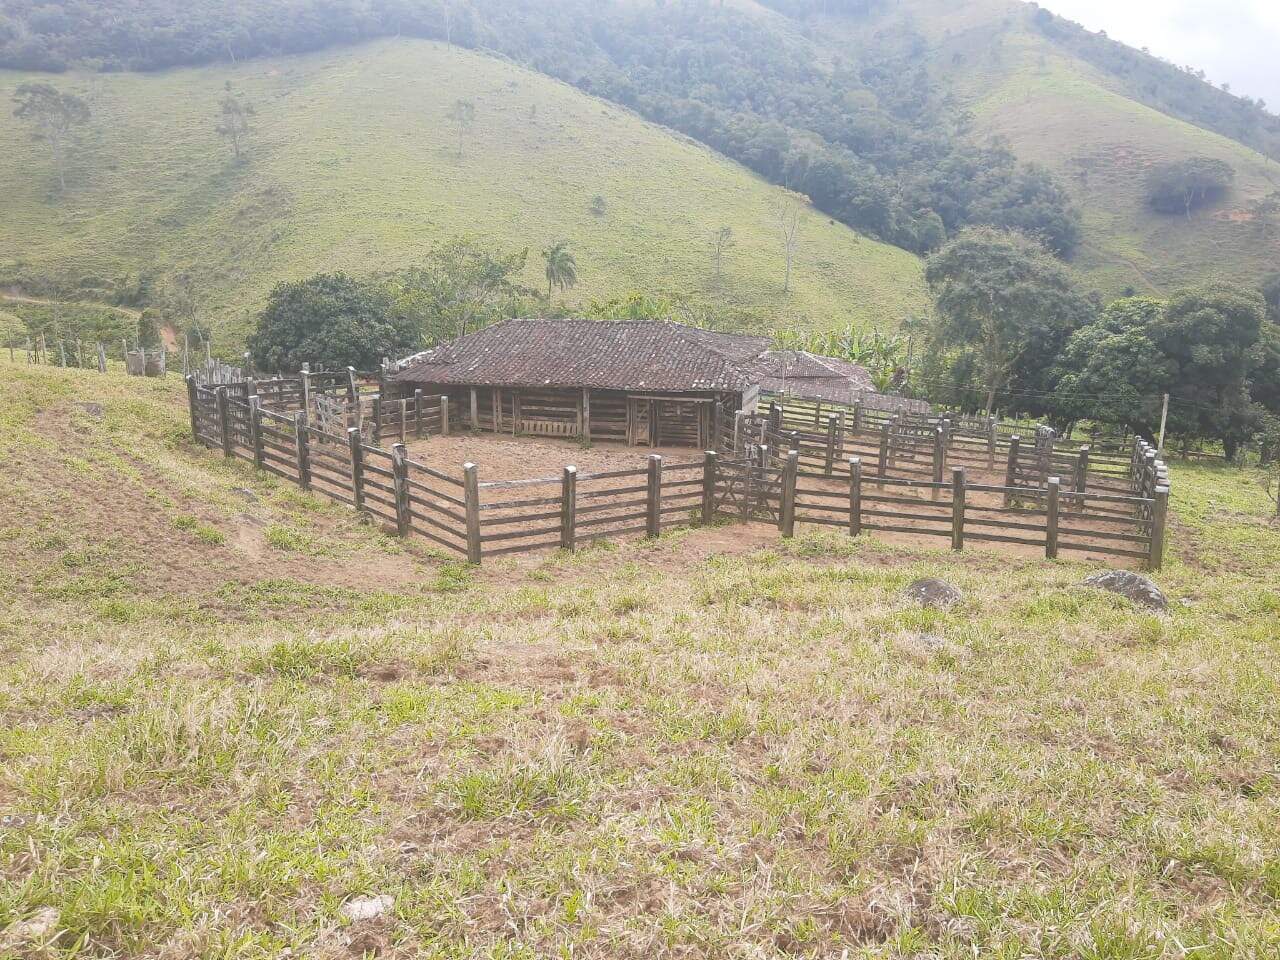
(906, 120)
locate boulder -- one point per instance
(1134, 587)
(933, 594)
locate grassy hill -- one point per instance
(1056, 109)
(354, 166)
(228, 711)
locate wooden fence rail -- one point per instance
(793, 480)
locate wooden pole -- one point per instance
(475, 411)
(191, 404)
(1082, 473)
(400, 483)
(586, 414)
(404, 416)
(654, 513)
(356, 447)
(787, 513)
(305, 378)
(377, 419)
(569, 509)
(831, 446)
(1164, 422)
(255, 431)
(939, 460)
(1051, 521)
(224, 427)
(471, 497)
(855, 496)
(709, 487)
(417, 408)
(444, 416)
(884, 453)
(991, 443)
(303, 446)
(1159, 517)
(1011, 471)
(958, 497)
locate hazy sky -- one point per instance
(1237, 41)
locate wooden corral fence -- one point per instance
(775, 475)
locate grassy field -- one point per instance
(232, 718)
(354, 165)
(1060, 111)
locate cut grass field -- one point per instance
(215, 739)
(353, 165)
(1055, 109)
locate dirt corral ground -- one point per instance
(527, 458)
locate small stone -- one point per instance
(1134, 587)
(933, 594)
(248, 494)
(367, 908)
(35, 928)
(93, 409)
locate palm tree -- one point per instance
(562, 269)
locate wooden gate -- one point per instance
(747, 490)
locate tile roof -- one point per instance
(639, 355)
(601, 354)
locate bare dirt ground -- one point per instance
(527, 458)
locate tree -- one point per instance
(1003, 297)
(149, 329)
(460, 287)
(54, 114)
(1186, 185)
(561, 269)
(334, 320)
(785, 216)
(463, 116)
(234, 125)
(1271, 295)
(721, 242)
(1265, 212)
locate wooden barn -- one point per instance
(643, 383)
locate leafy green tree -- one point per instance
(331, 319)
(234, 123)
(54, 114)
(1005, 299)
(1112, 370)
(1185, 185)
(460, 287)
(561, 267)
(149, 329)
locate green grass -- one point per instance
(354, 166)
(1062, 112)
(654, 749)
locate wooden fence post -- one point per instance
(1051, 519)
(857, 416)
(939, 460)
(224, 425)
(377, 419)
(400, 483)
(958, 497)
(787, 512)
(404, 415)
(991, 443)
(417, 409)
(738, 419)
(102, 357)
(1011, 472)
(475, 411)
(1082, 470)
(855, 496)
(191, 402)
(1159, 516)
(831, 446)
(884, 453)
(471, 497)
(654, 512)
(303, 447)
(304, 378)
(569, 509)
(356, 444)
(709, 465)
(255, 431)
(444, 416)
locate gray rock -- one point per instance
(246, 493)
(933, 594)
(1132, 586)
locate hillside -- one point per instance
(1055, 108)
(354, 166)
(231, 713)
